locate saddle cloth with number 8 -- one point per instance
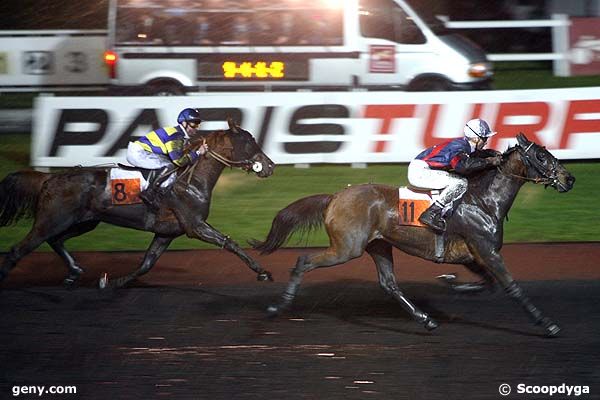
(125, 186)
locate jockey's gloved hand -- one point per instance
(202, 149)
(495, 161)
(485, 153)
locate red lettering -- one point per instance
(574, 125)
(509, 131)
(428, 138)
(387, 113)
(477, 109)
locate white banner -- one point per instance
(324, 127)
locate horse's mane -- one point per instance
(196, 141)
(481, 180)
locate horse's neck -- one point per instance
(498, 197)
(206, 173)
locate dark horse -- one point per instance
(68, 204)
(364, 217)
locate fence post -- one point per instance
(560, 45)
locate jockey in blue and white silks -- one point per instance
(444, 167)
(163, 149)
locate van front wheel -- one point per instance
(164, 89)
(430, 85)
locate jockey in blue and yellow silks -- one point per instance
(445, 165)
(162, 149)
(168, 141)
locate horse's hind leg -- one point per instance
(57, 244)
(44, 228)
(157, 247)
(333, 255)
(31, 242)
(381, 252)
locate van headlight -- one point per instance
(480, 70)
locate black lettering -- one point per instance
(264, 128)
(316, 111)
(147, 117)
(220, 114)
(65, 137)
(120, 194)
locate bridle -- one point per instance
(245, 165)
(549, 177)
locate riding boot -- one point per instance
(152, 196)
(432, 217)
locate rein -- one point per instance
(227, 162)
(189, 170)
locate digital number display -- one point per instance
(243, 69)
(260, 69)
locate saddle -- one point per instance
(148, 174)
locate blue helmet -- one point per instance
(189, 115)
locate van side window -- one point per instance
(384, 19)
(228, 23)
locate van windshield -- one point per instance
(228, 23)
(427, 11)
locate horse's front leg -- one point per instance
(494, 262)
(205, 232)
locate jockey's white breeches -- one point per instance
(138, 157)
(421, 176)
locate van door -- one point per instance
(394, 48)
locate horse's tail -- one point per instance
(305, 214)
(19, 194)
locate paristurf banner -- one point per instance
(322, 127)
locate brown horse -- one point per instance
(365, 218)
(71, 203)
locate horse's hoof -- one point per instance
(103, 282)
(273, 311)
(70, 283)
(430, 324)
(552, 330)
(264, 276)
(468, 287)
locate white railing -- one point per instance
(560, 39)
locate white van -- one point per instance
(177, 46)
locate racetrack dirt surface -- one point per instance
(194, 327)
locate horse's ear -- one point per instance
(232, 125)
(522, 139)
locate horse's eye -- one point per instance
(541, 156)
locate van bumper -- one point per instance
(478, 85)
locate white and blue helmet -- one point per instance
(478, 128)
